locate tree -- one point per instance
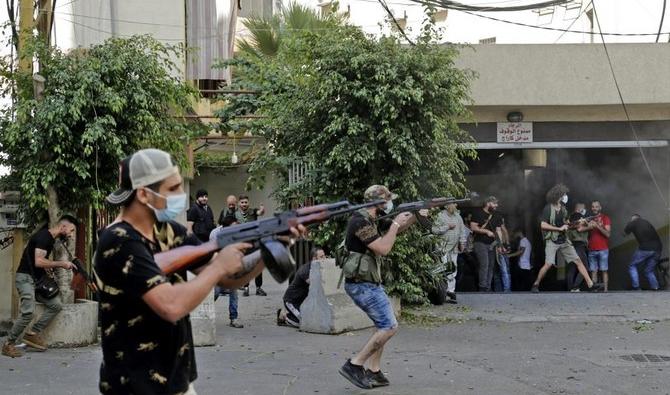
(99, 105)
(363, 111)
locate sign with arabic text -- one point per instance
(515, 132)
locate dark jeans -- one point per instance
(646, 260)
(574, 279)
(502, 279)
(487, 261)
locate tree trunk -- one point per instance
(63, 276)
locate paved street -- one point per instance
(489, 344)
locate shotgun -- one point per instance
(263, 235)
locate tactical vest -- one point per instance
(362, 267)
(553, 235)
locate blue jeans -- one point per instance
(372, 299)
(232, 300)
(502, 279)
(648, 261)
(598, 260)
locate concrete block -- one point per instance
(330, 310)
(76, 325)
(203, 322)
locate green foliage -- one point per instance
(99, 105)
(362, 111)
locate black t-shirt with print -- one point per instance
(481, 218)
(142, 353)
(42, 240)
(299, 288)
(362, 231)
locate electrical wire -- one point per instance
(438, 4)
(395, 21)
(581, 12)
(625, 109)
(660, 25)
(454, 5)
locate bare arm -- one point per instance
(382, 246)
(504, 234)
(547, 227)
(189, 227)
(518, 252)
(173, 302)
(252, 261)
(42, 261)
(476, 229)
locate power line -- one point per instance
(625, 109)
(660, 25)
(549, 28)
(395, 21)
(455, 5)
(581, 12)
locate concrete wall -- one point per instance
(6, 284)
(566, 75)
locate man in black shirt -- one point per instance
(362, 271)
(200, 218)
(554, 224)
(147, 344)
(487, 226)
(34, 261)
(647, 254)
(297, 291)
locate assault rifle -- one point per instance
(575, 225)
(79, 267)
(263, 235)
(414, 207)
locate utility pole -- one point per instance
(26, 25)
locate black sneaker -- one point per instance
(535, 289)
(355, 374)
(260, 292)
(451, 298)
(246, 291)
(377, 379)
(596, 287)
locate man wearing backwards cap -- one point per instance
(363, 282)
(147, 342)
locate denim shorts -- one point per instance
(372, 299)
(598, 260)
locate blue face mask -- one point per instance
(175, 205)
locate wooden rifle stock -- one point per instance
(254, 232)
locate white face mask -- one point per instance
(389, 206)
(582, 211)
(564, 199)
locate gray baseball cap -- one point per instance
(141, 169)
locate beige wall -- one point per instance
(6, 285)
(567, 75)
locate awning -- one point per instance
(575, 144)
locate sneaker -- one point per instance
(575, 290)
(355, 374)
(235, 324)
(377, 379)
(260, 292)
(596, 287)
(246, 291)
(451, 298)
(535, 289)
(10, 350)
(35, 341)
